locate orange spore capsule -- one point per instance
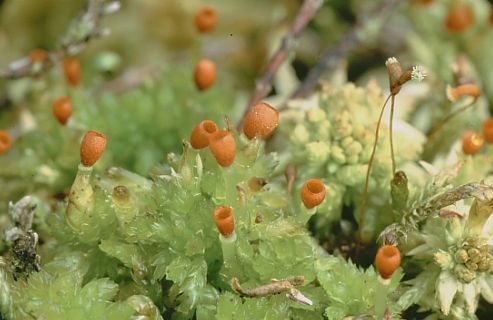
(92, 147)
(201, 134)
(5, 141)
(72, 70)
(387, 260)
(488, 130)
(62, 109)
(223, 147)
(262, 120)
(459, 18)
(225, 220)
(472, 142)
(205, 74)
(313, 193)
(206, 19)
(455, 93)
(38, 55)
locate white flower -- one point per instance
(443, 259)
(447, 287)
(390, 61)
(418, 73)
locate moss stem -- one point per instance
(81, 198)
(362, 208)
(228, 246)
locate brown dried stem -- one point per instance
(445, 120)
(362, 208)
(348, 42)
(264, 84)
(276, 286)
(84, 29)
(391, 133)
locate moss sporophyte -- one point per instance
(205, 74)
(459, 18)
(225, 220)
(313, 193)
(261, 121)
(206, 19)
(223, 146)
(5, 141)
(488, 130)
(38, 56)
(202, 133)
(92, 147)
(387, 260)
(397, 78)
(72, 70)
(62, 109)
(472, 142)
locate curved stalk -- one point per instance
(391, 133)
(449, 117)
(361, 216)
(81, 198)
(228, 246)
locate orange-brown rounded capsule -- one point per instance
(225, 220)
(38, 55)
(5, 142)
(206, 19)
(488, 130)
(223, 147)
(472, 142)
(72, 70)
(313, 193)
(261, 121)
(92, 147)
(205, 74)
(201, 134)
(455, 93)
(459, 18)
(387, 260)
(62, 109)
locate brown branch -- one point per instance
(264, 84)
(444, 121)
(78, 35)
(276, 286)
(348, 42)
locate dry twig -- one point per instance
(78, 35)
(348, 42)
(264, 84)
(276, 286)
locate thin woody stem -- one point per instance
(348, 42)
(276, 286)
(449, 117)
(70, 44)
(290, 173)
(391, 134)
(362, 209)
(264, 84)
